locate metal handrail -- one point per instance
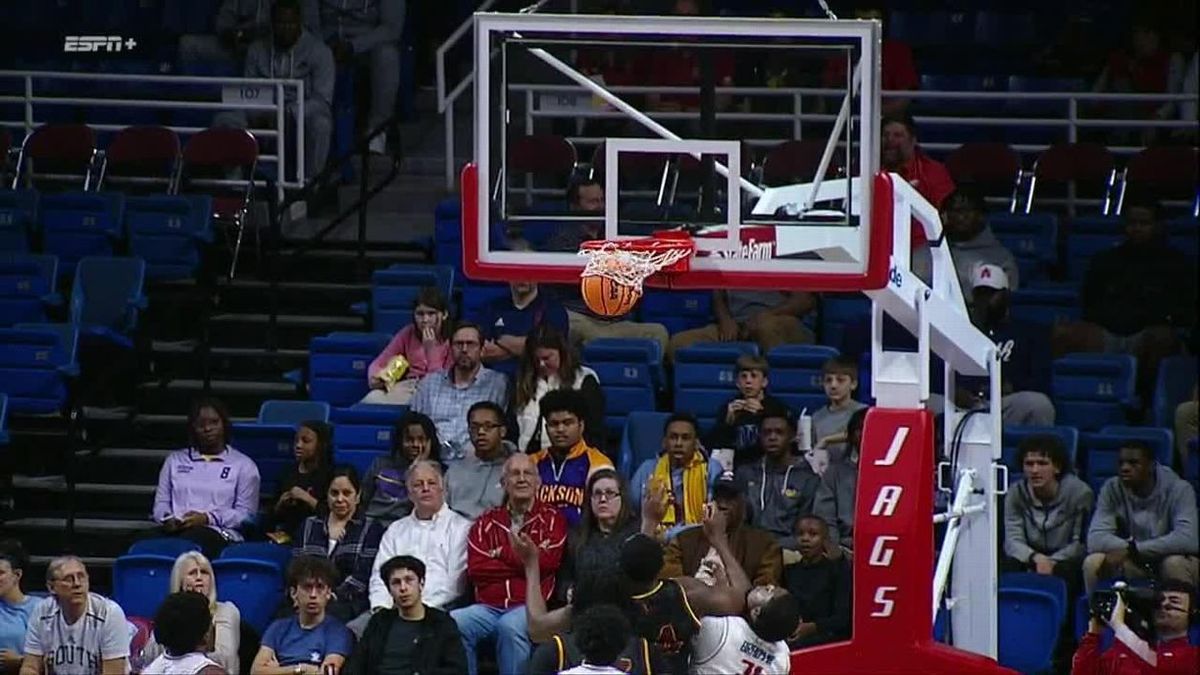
(440, 61)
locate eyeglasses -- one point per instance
(605, 495)
(486, 427)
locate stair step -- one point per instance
(243, 397)
(45, 534)
(292, 331)
(48, 492)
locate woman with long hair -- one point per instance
(549, 363)
(384, 493)
(608, 518)
(302, 487)
(193, 572)
(424, 344)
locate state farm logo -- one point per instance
(751, 249)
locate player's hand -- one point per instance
(655, 501)
(523, 546)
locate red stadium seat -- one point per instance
(210, 158)
(1167, 172)
(797, 162)
(994, 166)
(1090, 166)
(57, 155)
(541, 154)
(143, 156)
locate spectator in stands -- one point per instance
(1142, 67)
(497, 573)
(548, 364)
(444, 395)
(902, 155)
(310, 641)
(424, 345)
(1130, 654)
(1135, 296)
(416, 638)
(898, 68)
(181, 626)
(821, 581)
(609, 518)
(367, 34)
(303, 485)
(349, 539)
(193, 573)
(972, 242)
(15, 606)
(476, 479)
(207, 491)
(681, 477)
(507, 322)
(433, 533)
(385, 491)
(738, 419)
(839, 379)
(781, 486)
(239, 23)
(1187, 421)
(756, 550)
(75, 630)
(1145, 523)
(1045, 513)
(564, 465)
(834, 501)
(1024, 354)
(769, 318)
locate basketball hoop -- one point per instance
(611, 282)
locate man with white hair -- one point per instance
(75, 631)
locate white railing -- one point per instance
(242, 93)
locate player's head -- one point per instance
(601, 632)
(772, 612)
(641, 558)
(181, 622)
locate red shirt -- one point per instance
(931, 179)
(494, 569)
(1175, 657)
(898, 68)
(680, 68)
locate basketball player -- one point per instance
(752, 643)
(667, 613)
(180, 626)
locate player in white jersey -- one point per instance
(752, 644)
(601, 632)
(75, 632)
(181, 627)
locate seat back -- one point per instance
(545, 155)
(210, 158)
(169, 233)
(1046, 304)
(705, 376)
(271, 448)
(255, 586)
(365, 428)
(3, 419)
(1100, 450)
(1175, 383)
(36, 363)
(108, 292)
(797, 162)
(27, 287)
(1013, 435)
(991, 164)
(292, 412)
(141, 582)
(58, 156)
(163, 546)
(142, 159)
(1029, 622)
(677, 310)
(394, 290)
(1095, 377)
(1053, 585)
(641, 440)
(79, 224)
(796, 375)
(337, 366)
(18, 218)
(1167, 171)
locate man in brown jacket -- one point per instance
(689, 553)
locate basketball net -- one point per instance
(630, 262)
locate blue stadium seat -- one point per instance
(266, 551)
(1175, 384)
(359, 459)
(838, 311)
(255, 586)
(641, 440)
(37, 364)
(1161, 440)
(796, 377)
(169, 232)
(292, 412)
(337, 366)
(393, 291)
(365, 427)
(271, 448)
(27, 287)
(3, 419)
(141, 582)
(1013, 435)
(476, 296)
(1029, 622)
(705, 377)
(1046, 304)
(1040, 582)
(18, 218)
(107, 298)
(1093, 390)
(630, 372)
(677, 310)
(1033, 236)
(1099, 451)
(79, 224)
(167, 546)
(1088, 236)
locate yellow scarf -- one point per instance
(695, 488)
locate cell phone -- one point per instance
(1102, 603)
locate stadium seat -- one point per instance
(797, 162)
(1029, 623)
(1093, 390)
(3, 420)
(271, 448)
(1046, 304)
(79, 224)
(57, 156)
(796, 377)
(630, 373)
(1028, 236)
(705, 377)
(359, 459)
(992, 165)
(337, 366)
(365, 428)
(677, 310)
(1161, 440)
(537, 161)
(215, 154)
(18, 219)
(394, 290)
(477, 296)
(37, 366)
(1090, 166)
(1040, 582)
(1099, 451)
(1166, 171)
(169, 233)
(838, 311)
(1175, 384)
(27, 287)
(172, 547)
(107, 298)
(266, 551)
(641, 440)
(141, 159)
(1088, 236)
(255, 586)
(292, 412)
(141, 581)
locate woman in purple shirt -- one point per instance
(207, 491)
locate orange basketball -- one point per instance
(607, 297)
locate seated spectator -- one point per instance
(839, 379)
(291, 52)
(193, 573)
(1145, 523)
(609, 518)
(602, 632)
(756, 550)
(507, 321)
(1187, 419)
(834, 501)
(385, 493)
(425, 346)
(75, 627)
(822, 583)
(681, 476)
(239, 23)
(310, 641)
(181, 627)
(972, 243)
(565, 464)
(433, 533)
(1141, 67)
(208, 491)
(1024, 355)
(902, 155)
(15, 606)
(497, 573)
(1045, 514)
(548, 363)
(1172, 653)
(738, 419)
(1135, 296)
(349, 539)
(365, 35)
(443, 395)
(476, 479)
(416, 637)
(768, 318)
(304, 485)
(781, 486)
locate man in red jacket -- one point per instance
(498, 574)
(1131, 655)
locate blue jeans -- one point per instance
(509, 627)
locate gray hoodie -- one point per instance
(364, 23)
(473, 485)
(834, 502)
(1161, 524)
(776, 497)
(983, 248)
(309, 60)
(1055, 528)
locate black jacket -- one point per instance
(440, 649)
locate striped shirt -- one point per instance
(352, 556)
(224, 486)
(446, 403)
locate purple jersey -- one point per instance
(224, 486)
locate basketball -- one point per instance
(607, 297)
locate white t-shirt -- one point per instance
(586, 669)
(726, 644)
(82, 647)
(188, 664)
